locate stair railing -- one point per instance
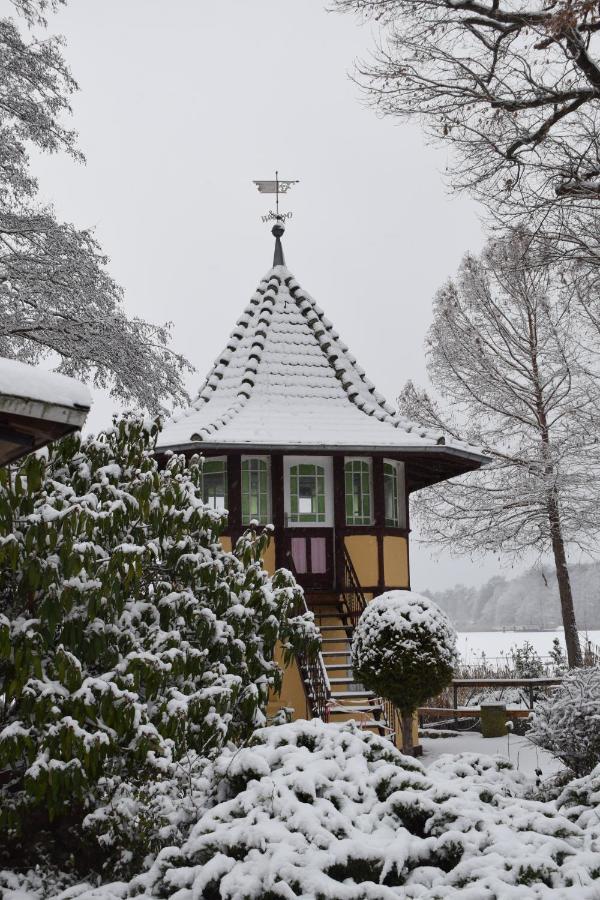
(353, 598)
(312, 669)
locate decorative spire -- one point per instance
(277, 231)
(276, 187)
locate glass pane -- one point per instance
(318, 556)
(214, 480)
(390, 492)
(299, 554)
(358, 492)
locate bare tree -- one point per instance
(514, 86)
(506, 355)
(56, 296)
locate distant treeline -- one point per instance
(529, 601)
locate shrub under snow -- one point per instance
(404, 648)
(330, 812)
(132, 647)
(567, 723)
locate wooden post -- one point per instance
(493, 720)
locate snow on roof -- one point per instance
(286, 379)
(17, 379)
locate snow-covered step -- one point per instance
(343, 680)
(371, 723)
(358, 708)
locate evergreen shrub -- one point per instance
(132, 646)
(404, 649)
(567, 723)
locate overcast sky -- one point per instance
(184, 103)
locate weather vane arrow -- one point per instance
(277, 187)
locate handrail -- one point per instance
(352, 593)
(312, 669)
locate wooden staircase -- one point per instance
(329, 684)
(348, 699)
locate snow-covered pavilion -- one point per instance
(295, 434)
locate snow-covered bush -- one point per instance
(132, 647)
(567, 723)
(404, 649)
(336, 813)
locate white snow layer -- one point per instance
(327, 812)
(18, 379)
(401, 616)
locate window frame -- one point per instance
(327, 464)
(400, 472)
(223, 461)
(358, 521)
(264, 517)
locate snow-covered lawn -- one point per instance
(524, 755)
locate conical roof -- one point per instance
(286, 380)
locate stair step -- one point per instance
(332, 666)
(347, 695)
(371, 723)
(339, 627)
(340, 640)
(333, 652)
(346, 680)
(362, 707)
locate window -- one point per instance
(307, 493)
(358, 492)
(214, 483)
(255, 490)
(393, 492)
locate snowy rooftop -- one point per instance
(18, 379)
(286, 379)
(37, 407)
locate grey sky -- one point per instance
(182, 104)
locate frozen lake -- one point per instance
(495, 644)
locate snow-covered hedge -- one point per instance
(404, 648)
(335, 813)
(567, 723)
(132, 647)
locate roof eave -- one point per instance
(415, 450)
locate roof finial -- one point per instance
(277, 232)
(276, 187)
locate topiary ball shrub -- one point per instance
(567, 723)
(404, 649)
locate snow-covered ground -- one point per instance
(471, 644)
(524, 755)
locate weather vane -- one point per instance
(277, 187)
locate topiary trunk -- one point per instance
(406, 721)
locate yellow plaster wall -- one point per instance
(269, 558)
(226, 543)
(363, 553)
(292, 691)
(395, 561)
